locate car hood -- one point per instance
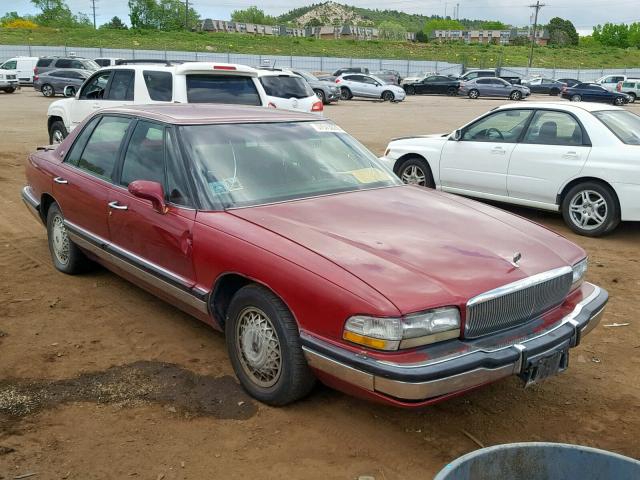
(418, 248)
(431, 135)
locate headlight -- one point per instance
(579, 271)
(1, 77)
(406, 332)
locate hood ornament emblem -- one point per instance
(516, 258)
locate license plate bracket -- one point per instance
(539, 369)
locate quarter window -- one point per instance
(500, 127)
(203, 88)
(159, 85)
(101, 152)
(554, 128)
(144, 159)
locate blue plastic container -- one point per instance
(541, 461)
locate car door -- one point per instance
(354, 82)
(426, 86)
(486, 87)
(160, 241)
(553, 150)
(371, 87)
(120, 89)
(479, 161)
(90, 97)
(501, 88)
(84, 177)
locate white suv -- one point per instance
(289, 91)
(135, 83)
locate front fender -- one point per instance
(430, 150)
(60, 109)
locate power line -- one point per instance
(537, 6)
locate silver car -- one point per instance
(325, 91)
(368, 86)
(493, 87)
(53, 82)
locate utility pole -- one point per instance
(93, 7)
(186, 14)
(537, 6)
(457, 11)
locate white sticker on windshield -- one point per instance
(326, 127)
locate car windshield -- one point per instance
(285, 86)
(253, 164)
(625, 125)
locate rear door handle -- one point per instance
(60, 180)
(117, 206)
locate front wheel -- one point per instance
(473, 94)
(591, 209)
(411, 90)
(619, 101)
(416, 171)
(576, 98)
(345, 94)
(633, 97)
(388, 96)
(57, 132)
(321, 96)
(515, 95)
(66, 255)
(10, 90)
(264, 347)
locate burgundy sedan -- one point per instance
(314, 259)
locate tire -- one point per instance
(516, 95)
(345, 93)
(474, 94)
(321, 96)
(416, 171)
(388, 96)
(57, 132)
(10, 90)
(66, 255)
(411, 90)
(554, 92)
(452, 91)
(581, 203)
(294, 379)
(48, 90)
(618, 101)
(576, 98)
(633, 97)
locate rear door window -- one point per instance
(554, 128)
(205, 88)
(121, 86)
(282, 86)
(144, 159)
(159, 85)
(64, 63)
(101, 152)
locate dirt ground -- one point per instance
(99, 379)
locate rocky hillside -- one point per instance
(328, 13)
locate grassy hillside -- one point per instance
(592, 56)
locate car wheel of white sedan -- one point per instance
(264, 347)
(591, 209)
(416, 171)
(388, 96)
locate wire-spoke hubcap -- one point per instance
(413, 175)
(259, 347)
(60, 240)
(588, 210)
(57, 136)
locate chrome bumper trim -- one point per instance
(33, 205)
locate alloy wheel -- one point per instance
(47, 90)
(588, 210)
(259, 347)
(414, 175)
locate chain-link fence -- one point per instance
(313, 64)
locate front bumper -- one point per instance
(9, 84)
(332, 96)
(452, 373)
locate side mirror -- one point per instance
(69, 91)
(151, 191)
(457, 135)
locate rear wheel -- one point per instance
(554, 92)
(47, 90)
(321, 96)
(576, 98)
(10, 90)
(57, 132)
(388, 96)
(264, 347)
(345, 94)
(452, 91)
(591, 209)
(516, 95)
(416, 171)
(473, 94)
(66, 256)
(633, 97)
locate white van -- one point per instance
(22, 67)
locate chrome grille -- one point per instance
(517, 303)
(11, 77)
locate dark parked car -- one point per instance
(433, 84)
(53, 82)
(47, 64)
(592, 92)
(544, 85)
(493, 87)
(342, 71)
(570, 82)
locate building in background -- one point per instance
(500, 37)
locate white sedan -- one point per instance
(582, 160)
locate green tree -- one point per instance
(161, 15)
(612, 35)
(494, 25)
(9, 17)
(389, 30)
(441, 24)
(634, 35)
(252, 15)
(56, 13)
(562, 32)
(114, 24)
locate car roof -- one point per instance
(208, 113)
(274, 72)
(573, 107)
(190, 67)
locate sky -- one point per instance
(583, 13)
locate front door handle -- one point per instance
(117, 206)
(498, 150)
(570, 155)
(60, 180)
